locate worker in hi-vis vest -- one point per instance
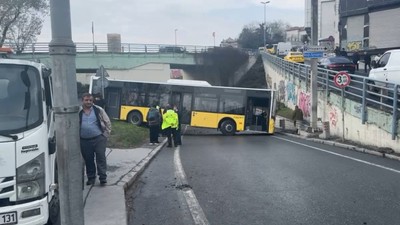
(169, 124)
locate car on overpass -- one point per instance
(337, 63)
(296, 57)
(172, 49)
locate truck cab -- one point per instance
(28, 173)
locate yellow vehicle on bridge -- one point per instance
(296, 57)
(271, 49)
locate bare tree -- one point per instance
(252, 34)
(25, 31)
(17, 17)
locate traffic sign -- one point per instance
(313, 55)
(314, 48)
(342, 79)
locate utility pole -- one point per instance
(314, 65)
(93, 36)
(265, 21)
(176, 42)
(69, 159)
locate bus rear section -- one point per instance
(28, 193)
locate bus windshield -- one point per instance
(20, 98)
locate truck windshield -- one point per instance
(20, 98)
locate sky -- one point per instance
(155, 22)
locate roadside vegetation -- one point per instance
(126, 135)
(284, 111)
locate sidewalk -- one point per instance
(106, 205)
(290, 130)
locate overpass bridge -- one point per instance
(362, 115)
(148, 62)
(91, 56)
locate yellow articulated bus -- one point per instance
(229, 109)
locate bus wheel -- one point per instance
(135, 118)
(228, 127)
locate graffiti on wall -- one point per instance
(305, 103)
(291, 92)
(282, 91)
(333, 116)
(357, 108)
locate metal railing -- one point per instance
(368, 92)
(82, 47)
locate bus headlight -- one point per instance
(31, 179)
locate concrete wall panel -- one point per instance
(376, 132)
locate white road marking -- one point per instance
(195, 209)
(340, 155)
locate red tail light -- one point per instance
(333, 66)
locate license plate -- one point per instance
(8, 218)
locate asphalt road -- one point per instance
(247, 179)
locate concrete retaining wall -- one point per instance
(375, 132)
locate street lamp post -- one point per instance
(265, 21)
(175, 37)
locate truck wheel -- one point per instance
(228, 127)
(135, 118)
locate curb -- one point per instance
(130, 177)
(346, 146)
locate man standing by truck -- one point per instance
(95, 128)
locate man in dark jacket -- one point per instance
(177, 136)
(355, 59)
(297, 118)
(367, 62)
(153, 121)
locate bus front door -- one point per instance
(113, 103)
(184, 103)
(256, 114)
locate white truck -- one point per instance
(283, 48)
(28, 169)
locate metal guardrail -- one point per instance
(369, 92)
(83, 47)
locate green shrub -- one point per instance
(127, 135)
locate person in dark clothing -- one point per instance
(98, 100)
(343, 52)
(177, 136)
(153, 121)
(337, 51)
(355, 59)
(264, 120)
(297, 118)
(367, 62)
